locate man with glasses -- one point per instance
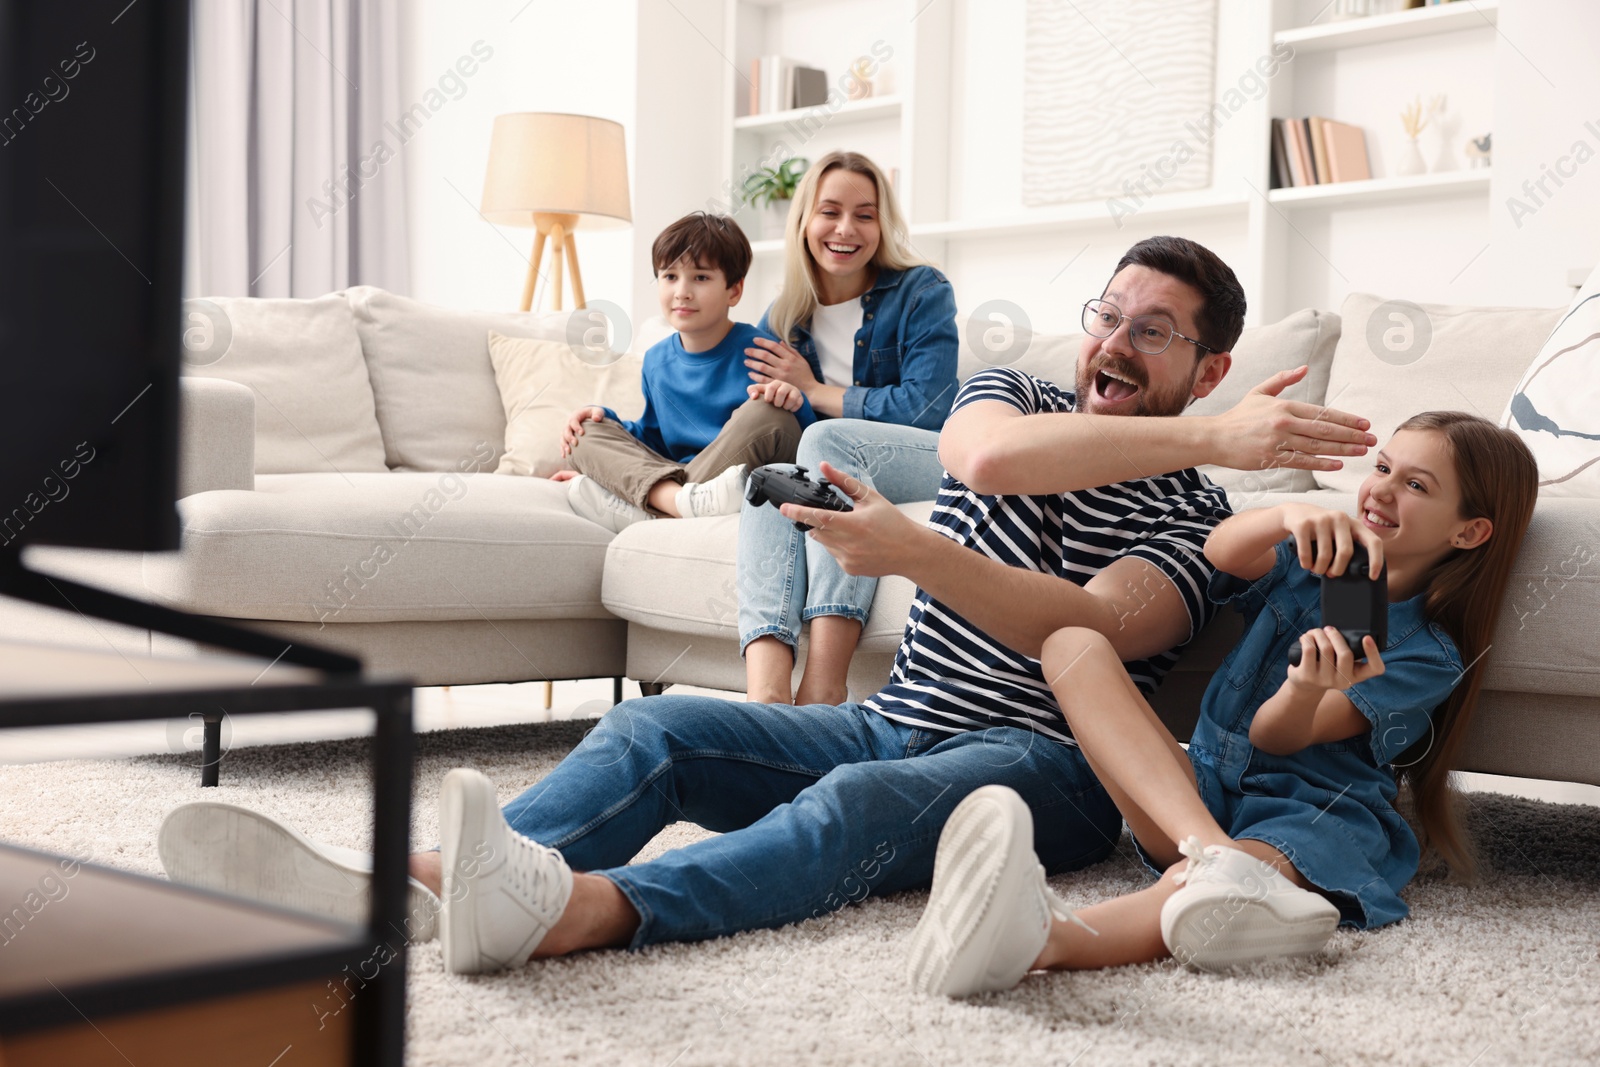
(1056, 510)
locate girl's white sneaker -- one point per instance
(1234, 909)
(988, 915)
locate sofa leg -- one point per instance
(616, 690)
(549, 695)
(651, 689)
(210, 750)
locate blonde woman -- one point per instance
(869, 337)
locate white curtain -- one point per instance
(296, 188)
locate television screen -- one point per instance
(92, 122)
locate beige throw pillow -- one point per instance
(1556, 406)
(1395, 359)
(541, 384)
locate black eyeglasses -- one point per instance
(1150, 334)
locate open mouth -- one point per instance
(1113, 387)
(1376, 520)
(841, 250)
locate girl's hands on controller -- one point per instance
(778, 394)
(574, 428)
(1326, 538)
(1328, 662)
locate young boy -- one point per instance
(704, 424)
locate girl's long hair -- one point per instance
(1499, 481)
(798, 300)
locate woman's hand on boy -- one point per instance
(1326, 539)
(574, 428)
(778, 394)
(775, 361)
(1328, 662)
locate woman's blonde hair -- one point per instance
(799, 298)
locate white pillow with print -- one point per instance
(1556, 406)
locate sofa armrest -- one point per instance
(216, 435)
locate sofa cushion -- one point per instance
(302, 359)
(1395, 359)
(1305, 337)
(431, 375)
(384, 547)
(1556, 405)
(678, 575)
(541, 383)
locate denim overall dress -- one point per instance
(1328, 808)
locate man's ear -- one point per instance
(735, 291)
(1213, 368)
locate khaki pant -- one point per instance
(758, 433)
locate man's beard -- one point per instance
(1171, 402)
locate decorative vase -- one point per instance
(773, 216)
(1411, 161)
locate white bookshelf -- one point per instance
(924, 126)
(1398, 26)
(1385, 190)
(868, 110)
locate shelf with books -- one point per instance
(1384, 190)
(873, 107)
(1379, 29)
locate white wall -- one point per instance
(548, 56)
(1539, 87)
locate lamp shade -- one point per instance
(543, 163)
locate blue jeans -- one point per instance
(785, 578)
(816, 807)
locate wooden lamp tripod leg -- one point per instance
(533, 270)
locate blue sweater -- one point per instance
(689, 396)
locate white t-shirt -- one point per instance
(834, 328)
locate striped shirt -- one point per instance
(949, 675)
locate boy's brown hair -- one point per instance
(708, 240)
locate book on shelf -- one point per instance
(1316, 151)
(781, 84)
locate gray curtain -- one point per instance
(296, 187)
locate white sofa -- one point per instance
(337, 490)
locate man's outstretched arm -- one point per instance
(995, 449)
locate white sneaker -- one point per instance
(502, 891)
(989, 913)
(598, 504)
(243, 852)
(722, 495)
(1234, 909)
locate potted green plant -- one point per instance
(772, 189)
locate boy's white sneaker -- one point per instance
(1234, 908)
(722, 495)
(243, 852)
(988, 915)
(598, 504)
(502, 891)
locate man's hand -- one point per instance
(778, 394)
(574, 428)
(871, 540)
(1264, 431)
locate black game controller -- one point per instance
(1355, 605)
(777, 485)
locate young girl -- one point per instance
(1279, 821)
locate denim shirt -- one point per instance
(1366, 850)
(905, 350)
